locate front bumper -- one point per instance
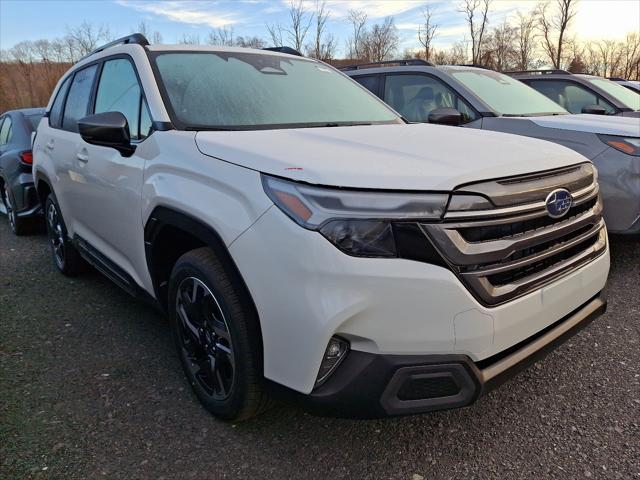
(306, 291)
(367, 385)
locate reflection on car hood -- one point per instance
(401, 157)
(606, 124)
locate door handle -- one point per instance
(50, 144)
(83, 156)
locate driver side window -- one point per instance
(416, 96)
(119, 91)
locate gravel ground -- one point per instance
(90, 387)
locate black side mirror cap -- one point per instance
(445, 116)
(108, 129)
(594, 109)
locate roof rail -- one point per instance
(541, 72)
(473, 65)
(413, 62)
(618, 79)
(288, 50)
(137, 38)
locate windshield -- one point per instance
(506, 95)
(238, 90)
(628, 97)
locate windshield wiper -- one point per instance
(334, 124)
(225, 128)
(213, 128)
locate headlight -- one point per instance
(357, 222)
(628, 145)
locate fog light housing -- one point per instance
(336, 351)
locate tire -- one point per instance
(19, 226)
(216, 333)
(65, 256)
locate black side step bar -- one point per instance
(105, 266)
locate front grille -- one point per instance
(492, 232)
(515, 247)
(519, 273)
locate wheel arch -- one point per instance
(168, 234)
(43, 186)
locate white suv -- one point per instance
(304, 240)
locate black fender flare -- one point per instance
(161, 217)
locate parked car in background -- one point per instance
(488, 100)
(579, 93)
(18, 194)
(633, 85)
(306, 241)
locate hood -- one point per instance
(605, 124)
(395, 157)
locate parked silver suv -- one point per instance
(480, 98)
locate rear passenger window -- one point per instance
(119, 91)
(77, 104)
(371, 83)
(5, 131)
(55, 115)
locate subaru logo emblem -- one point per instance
(558, 203)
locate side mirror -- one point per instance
(445, 116)
(108, 129)
(594, 109)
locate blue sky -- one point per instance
(34, 19)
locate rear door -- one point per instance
(58, 143)
(110, 216)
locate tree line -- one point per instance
(528, 40)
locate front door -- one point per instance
(111, 219)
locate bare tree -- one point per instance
(143, 28)
(221, 36)
(189, 39)
(427, 32)
(250, 42)
(300, 22)
(275, 33)
(630, 56)
(476, 13)
(86, 37)
(501, 52)
(358, 21)
(554, 26)
(456, 55)
(381, 41)
(324, 45)
(526, 29)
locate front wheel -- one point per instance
(217, 337)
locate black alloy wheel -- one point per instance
(205, 338)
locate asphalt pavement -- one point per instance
(91, 387)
